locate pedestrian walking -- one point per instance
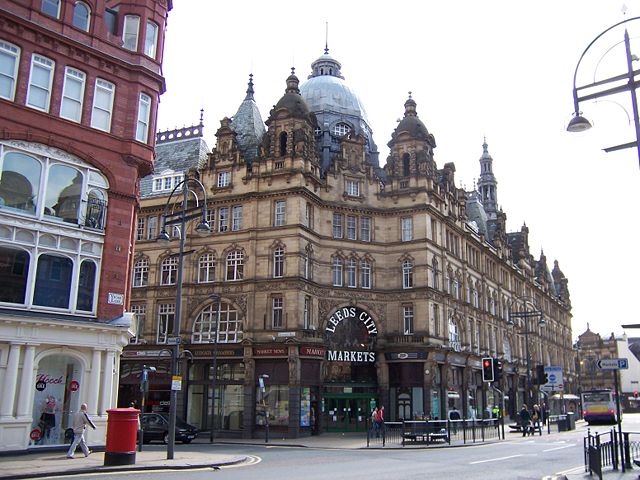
(380, 419)
(80, 421)
(525, 420)
(535, 419)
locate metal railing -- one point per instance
(434, 432)
(600, 450)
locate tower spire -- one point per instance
(487, 184)
(326, 38)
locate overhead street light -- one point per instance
(627, 81)
(180, 217)
(528, 310)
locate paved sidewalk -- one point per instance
(46, 464)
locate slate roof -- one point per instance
(176, 151)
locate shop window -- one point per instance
(53, 281)
(9, 60)
(54, 404)
(274, 401)
(86, 286)
(81, 16)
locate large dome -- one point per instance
(327, 93)
(337, 109)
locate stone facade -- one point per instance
(347, 284)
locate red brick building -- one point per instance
(79, 88)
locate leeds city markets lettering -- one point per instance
(355, 314)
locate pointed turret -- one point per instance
(561, 282)
(487, 184)
(248, 125)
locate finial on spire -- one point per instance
(326, 38)
(409, 94)
(293, 70)
(250, 90)
(201, 116)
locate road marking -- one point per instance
(571, 470)
(558, 448)
(495, 459)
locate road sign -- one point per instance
(173, 340)
(555, 379)
(613, 364)
(176, 382)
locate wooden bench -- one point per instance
(423, 432)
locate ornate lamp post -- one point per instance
(526, 311)
(216, 298)
(627, 81)
(170, 217)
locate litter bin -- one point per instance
(563, 424)
(571, 421)
(122, 429)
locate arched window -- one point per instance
(14, 269)
(235, 265)
(63, 194)
(341, 129)
(283, 144)
(278, 262)
(53, 281)
(141, 273)
(229, 326)
(86, 286)
(407, 274)
(405, 165)
(169, 271)
(20, 182)
(206, 268)
(81, 16)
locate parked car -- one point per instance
(156, 427)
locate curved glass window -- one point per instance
(20, 181)
(86, 286)
(14, 268)
(53, 281)
(64, 189)
(81, 14)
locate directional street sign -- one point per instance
(555, 379)
(613, 364)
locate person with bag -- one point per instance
(525, 420)
(535, 420)
(80, 421)
(374, 422)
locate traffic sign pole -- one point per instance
(615, 384)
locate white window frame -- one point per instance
(279, 213)
(10, 52)
(365, 274)
(84, 28)
(234, 270)
(352, 273)
(236, 218)
(336, 271)
(365, 229)
(278, 262)
(340, 129)
(140, 228)
(207, 268)
(224, 179)
(141, 273)
(407, 319)
(407, 229)
(306, 313)
(144, 113)
(129, 37)
(277, 312)
(78, 76)
(151, 42)
(223, 219)
(140, 311)
(353, 188)
(45, 65)
(166, 311)
(169, 271)
(352, 227)
(407, 274)
(103, 87)
(53, 3)
(337, 225)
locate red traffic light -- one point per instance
(487, 363)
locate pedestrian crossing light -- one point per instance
(487, 369)
(497, 370)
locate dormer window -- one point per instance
(166, 181)
(341, 129)
(353, 188)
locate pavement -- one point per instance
(52, 463)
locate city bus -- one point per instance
(599, 406)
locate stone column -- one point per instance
(107, 384)
(26, 382)
(94, 382)
(7, 400)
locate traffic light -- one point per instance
(497, 370)
(487, 369)
(635, 394)
(540, 375)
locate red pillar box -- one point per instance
(122, 430)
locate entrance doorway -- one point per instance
(347, 412)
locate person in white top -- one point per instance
(80, 421)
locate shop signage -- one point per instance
(405, 355)
(318, 352)
(40, 385)
(74, 386)
(146, 353)
(227, 352)
(351, 356)
(351, 312)
(115, 298)
(270, 352)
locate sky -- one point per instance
(500, 70)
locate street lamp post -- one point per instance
(174, 218)
(216, 298)
(528, 311)
(261, 382)
(579, 123)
